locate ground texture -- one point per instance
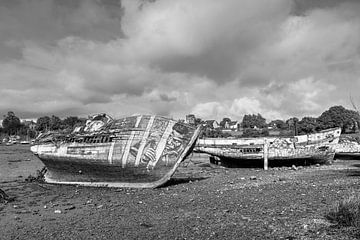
(202, 201)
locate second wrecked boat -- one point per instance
(318, 147)
(138, 151)
(348, 147)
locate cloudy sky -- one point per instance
(213, 58)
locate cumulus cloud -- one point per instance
(211, 58)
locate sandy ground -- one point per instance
(202, 201)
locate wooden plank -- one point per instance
(144, 141)
(111, 152)
(129, 143)
(266, 154)
(162, 144)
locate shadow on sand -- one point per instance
(182, 180)
(259, 163)
(347, 156)
(353, 172)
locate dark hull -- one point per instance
(345, 155)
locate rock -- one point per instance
(317, 165)
(71, 207)
(253, 178)
(293, 167)
(146, 225)
(57, 211)
(245, 218)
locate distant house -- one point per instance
(30, 124)
(234, 125)
(227, 125)
(213, 124)
(190, 119)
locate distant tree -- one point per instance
(198, 121)
(250, 132)
(55, 123)
(225, 121)
(292, 125)
(70, 122)
(11, 123)
(252, 120)
(43, 124)
(279, 124)
(338, 116)
(214, 133)
(307, 125)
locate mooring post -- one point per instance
(266, 153)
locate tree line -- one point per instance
(12, 124)
(254, 125)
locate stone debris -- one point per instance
(72, 207)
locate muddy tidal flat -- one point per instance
(202, 201)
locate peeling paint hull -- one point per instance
(319, 147)
(347, 148)
(138, 152)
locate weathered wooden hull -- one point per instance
(347, 148)
(140, 151)
(319, 147)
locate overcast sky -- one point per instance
(216, 59)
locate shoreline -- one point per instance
(201, 201)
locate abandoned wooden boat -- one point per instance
(138, 151)
(348, 147)
(319, 147)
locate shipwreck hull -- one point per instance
(347, 148)
(317, 148)
(140, 151)
(321, 155)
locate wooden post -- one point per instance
(266, 153)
